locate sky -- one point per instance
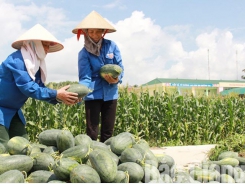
(184, 39)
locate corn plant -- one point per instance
(161, 118)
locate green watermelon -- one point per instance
(110, 69)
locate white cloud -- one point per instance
(148, 50)
(62, 65)
(16, 19)
(10, 23)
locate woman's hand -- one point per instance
(110, 79)
(66, 97)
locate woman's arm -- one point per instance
(33, 89)
(84, 69)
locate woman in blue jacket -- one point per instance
(100, 105)
(22, 75)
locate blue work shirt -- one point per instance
(89, 71)
(16, 86)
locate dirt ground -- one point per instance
(185, 156)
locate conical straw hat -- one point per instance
(94, 21)
(38, 32)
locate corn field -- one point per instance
(161, 118)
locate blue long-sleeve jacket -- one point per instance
(16, 86)
(89, 71)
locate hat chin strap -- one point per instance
(104, 33)
(80, 31)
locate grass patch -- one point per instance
(235, 142)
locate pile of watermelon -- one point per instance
(58, 156)
(228, 168)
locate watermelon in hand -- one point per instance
(80, 89)
(110, 69)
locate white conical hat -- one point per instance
(38, 32)
(94, 21)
